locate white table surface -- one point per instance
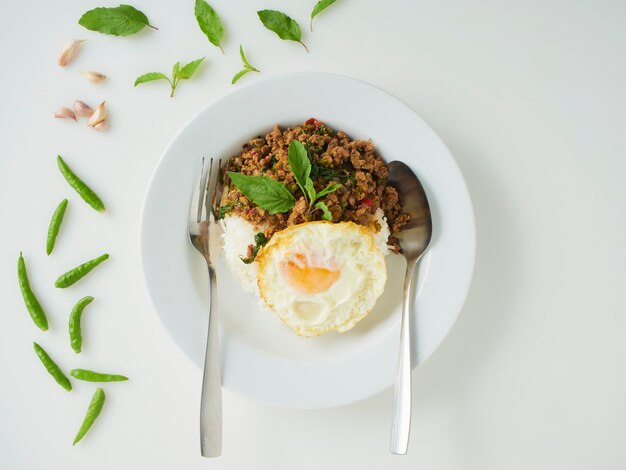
(531, 99)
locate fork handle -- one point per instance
(401, 423)
(211, 400)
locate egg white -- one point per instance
(346, 249)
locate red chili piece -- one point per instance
(317, 122)
(367, 202)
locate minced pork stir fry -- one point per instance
(335, 158)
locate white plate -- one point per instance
(262, 358)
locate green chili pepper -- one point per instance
(55, 225)
(80, 187)
(54, 370)
(73, 275)
(76, 336)
(95, 407)
(91, 376)
(32, 304)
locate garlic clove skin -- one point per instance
(69, 51)
(101, 126)
(98, 116)
(82, 109)
(65, 113)
(94, 77)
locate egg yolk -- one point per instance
(308, 279)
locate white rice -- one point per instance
(238, 233)
(382, 236)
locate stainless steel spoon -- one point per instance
(414, 240)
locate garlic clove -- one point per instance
(69, 51)
(65, 113)
(98, 116)
(94, 77)
(102, 125)
(82, 109)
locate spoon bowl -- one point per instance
(416, 234)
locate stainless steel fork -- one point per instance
(203, 216)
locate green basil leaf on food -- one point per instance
(209, 23)
(189, 69)
(328, 189)
(264, 191)
(327, 215)
(310, 190)
(150, 77)
(284, 26)
(259, 241)
(123, 20)
(224, 210)
(299, 163)
(320, 7)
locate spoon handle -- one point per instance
(401, 423)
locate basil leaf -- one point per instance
(123, 20)
(299, 163)
(327, 215)
(320, 7)
(328, 189)
(209, 23)
(264, 191)
(178, 73)
(239, 75)
(246, 67)
(189, 69)
(259, 241)
(150, 77)
(310, 190)
(225, 209)
(284, 26)
(246, 64)
(328, 173)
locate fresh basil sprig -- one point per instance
(300, 164)
(284, 26)
(301, 168)
(273, 196)
(209, 23)
(246, 67)
(327, 215)
(123, 20)
(320, 7)
(178, 73)
(264, 191)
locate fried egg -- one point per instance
(320, 276)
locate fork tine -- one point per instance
(209, 188)
(202, 194)
(195, 205)
(217, 191)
